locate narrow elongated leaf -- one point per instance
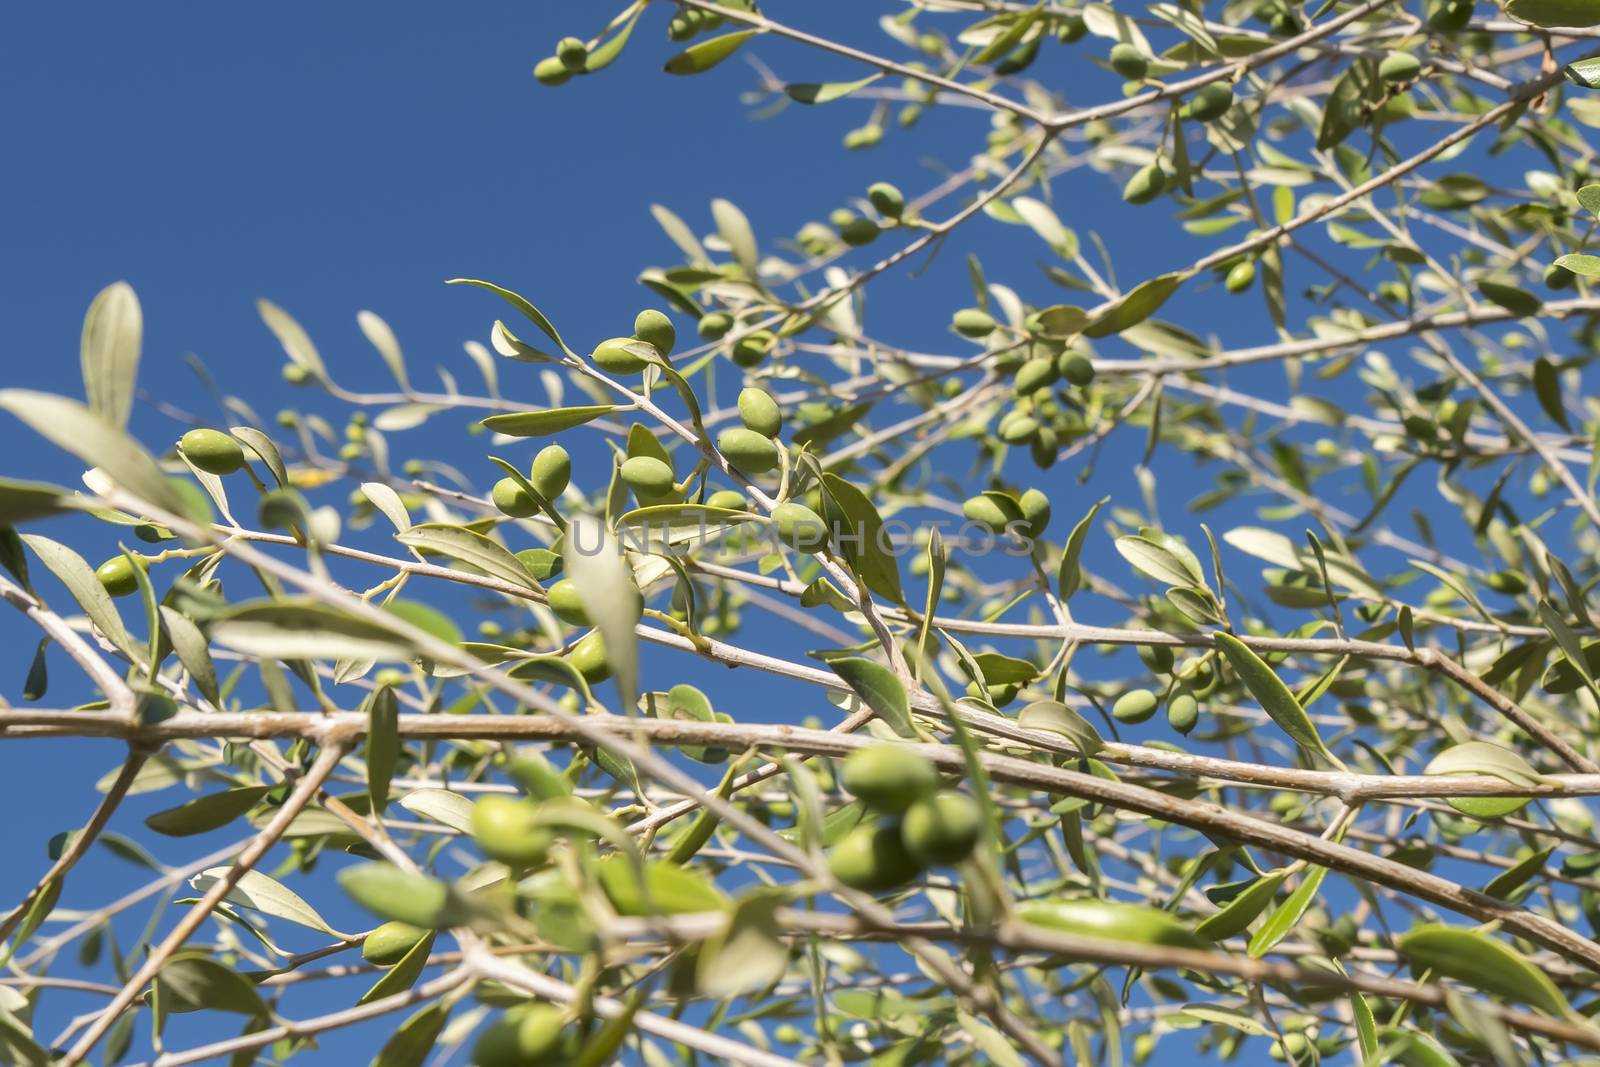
(469, 547)
(1481, 962)
(544, 423)
(403, 975)
(1137, 305)
(91, 596)
(296, 343)
(598, 569)
(1275, 698)
(1056, 717)
(440, 806)
(265, 894)
(707, 54)
(383, 746)
(734, 229)
(1288, 914)
(304, 629)
(533, 314)
(1548, 13)
(209, 812)
(195, 982)
(825, 92)
(113, 331)
(861, 536)
(69, 425)
(383, 339)
(1069, 576)
(1242, 910)
(414, 1040)
(262, 445)
(879, 689)
(193, 652)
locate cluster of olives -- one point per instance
(917, 824)
(619, 355)
(752, 447)
(529, 1035)
(549, 475)
(997, 511)
(1040, 417)
(1192, 681)
(846, 225)
(689, 22)
(572, 57)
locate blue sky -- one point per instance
(334, 157)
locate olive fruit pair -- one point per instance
(212, 451)
(528, 1035)
(936, 825)
(551, 471)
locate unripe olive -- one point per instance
(730, 499)
(1451, 15)
(872, 858)
(552, 469)
(1035, 510)
(1128, 61)
(888, 777)
(212, 451)
(840, 217)
(567, 604)
(507, 829)
(389, 943)
(1070, 28)
(116, 574)
(714, 324)
(654, 328)
(858, 231)
(973, 322)
(1134, 706)
(941, 829)
(1240, 275)
(986, 512)
(614, 356)
(681, 27)
(512, 499)
(748, 450)
(572, 52)
(1211, 102)
(1146, 184)
(886, 199)
(1399, 67)
(529, 1035)
(799, 527)
(588, 657)
(647, 475)
(1183, 711)
(759, 412)
(1511, 583)
(295, 374)
(750, 351)
(864, 137)
(551, 71)
(1158, 658)
(1558, 277)
(1076, 368)
(1037, 373)
(998, 695)
(1018, 430)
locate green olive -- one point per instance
(987, 513)
(654, 328)
(799, 527)
(727, 499)
(572, 53)
(998, 695)
(873, 858)
(566, 604)
(750, 351)
(1146, 184)
(552, 469)
(212, 451)
(748, 450)
(1510, 583)
(647, 475)
(759, 412)
(529, 1035)
(1070, 28)
(1558, 277)
(1134, 706)
(1240, 275)
(713, 325)
(941, 829)
(613, 356)
(1211, 102)
(507, 829)
(588, 657)
(1128, 61)
(858, 231)
(888, 777)
(512, 499)
(886, 200)
(1035, 510)
(1038, 373)
(1076, 368)
(1183, 711)
(1018, 430)
(1399, 67)
(1451, 15)
(551, 71)
(973, 322)
(295, 374)
(389, 943)
(116, 574)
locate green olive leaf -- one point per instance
(707, 54)
(69, 425)
(479, 552)
(1288, 914)
(113, 331)
(258, 892)
(1056, 717)
(1275, 698)
(879, 689)
(596, 565)
(296, 343)
(403, 975)
(410, 1045)
(91, 596)
(532, 313)
(1481, 962)
(544, 423)
(1242, 910)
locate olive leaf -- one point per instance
(595, 563)
(403, 975)
(1288, 914)
(113, 331)
(383, 745)
(72, 427)
(209, 812)
(91, 596)
(1481, 962)
(879, 689)
(1243, 909)
(193, 652)
(269, 896)
(749, 953)
(1069, 576)
(707, 54)
(305, 629)
(441, 806)
(383, 339)
(533, 314)
(825, 92)
(1135, 306)
(470, 547)
(411, 1043)
(1275, 698)
(391, 893)
(544, 423)
(1548, 13)
(292, 336)
(1056, 717)
(860, 535)
(191, 982)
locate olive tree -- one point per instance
(1281, 747)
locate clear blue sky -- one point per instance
(340, 156)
